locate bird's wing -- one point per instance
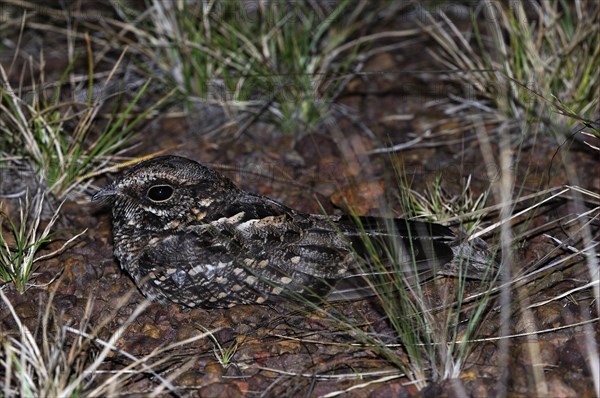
(349, 253)
(285, 244)
(249, 252)
(192, 266)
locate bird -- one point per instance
(189, 235)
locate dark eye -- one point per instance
(160, 193)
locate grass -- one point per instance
(433, 322)
(436, 340)
(445, 332)
(437, 204)
(531, 75)
(59, 136)
(534, 69)
(224, 355)
(283, 61)
(21, 247)
(59, 360)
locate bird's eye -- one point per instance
(160, 193)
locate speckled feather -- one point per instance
(207, 243)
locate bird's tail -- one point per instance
(388, 250)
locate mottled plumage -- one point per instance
(187, 234)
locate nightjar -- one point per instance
(188, 234)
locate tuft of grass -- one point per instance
(58, 360)
(224, 355)
(61, 137)
(52, 364)
(438, 331)
(285, 61)
(439, 205)
(434, 323)
(21, 245)
(530, 70)
(536, 66)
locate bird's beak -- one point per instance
(105, 193)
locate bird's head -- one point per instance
(165, 191)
